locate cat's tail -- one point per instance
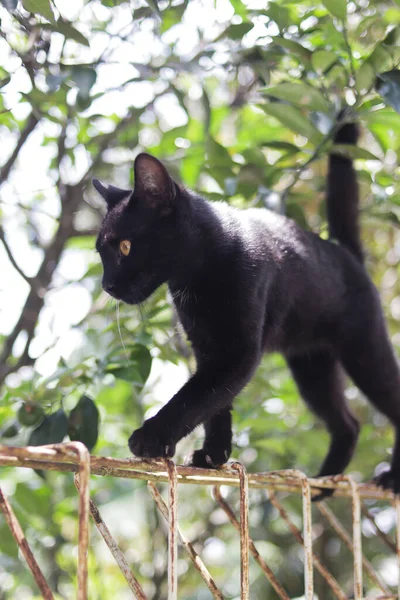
(342, 194)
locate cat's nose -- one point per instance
(109, 287)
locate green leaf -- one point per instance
(10, 5)
(82, 242)
(217, 155)
(300, 94)
(385, 117)
(388, 86)
(54, 81)
(31, 500)
(41, 435)
(237, 31)
(10, 429)
(293, 48)
(39, 7)
(255, 157)
(249, 180)
(8, 544)
(83, 424)
(172, 16)
(296, 212)
(279, 14)
(323, 60)
(84, 77)
(5, 81)
(385, 127)
(70, 32)
(380, 58)
(30, 413)
(136, 368)
(153, 4)
(284, 146)
(143, 359)
(365, 77)
(52, 430)
(292, 118)
(353, 152)
(58, 426)
(337, 8)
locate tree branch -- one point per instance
(71, 196)
(30, 125)
(301, 168)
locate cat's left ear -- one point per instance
(152, 179)
(111, 194)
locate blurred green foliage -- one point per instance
(239, 100)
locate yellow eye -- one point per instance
(125, 247)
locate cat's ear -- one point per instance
(152, 178)
(111, 194)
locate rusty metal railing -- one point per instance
(74, 457)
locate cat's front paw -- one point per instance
(150, 441)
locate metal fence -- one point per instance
(75, 457)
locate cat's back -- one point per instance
(264, 234)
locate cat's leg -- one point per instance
(217, 445)
(208, 392)
(370, 361)
(319, 379)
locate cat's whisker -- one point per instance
(104, 301)
(143, 308)
(108, 305)
(119, 330)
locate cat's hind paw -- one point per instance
(324, 493)
(388, 481)
(207, 460)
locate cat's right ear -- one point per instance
(111, 194)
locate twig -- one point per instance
(32, 209)
(349, 52)
(12, 260)
(298, 172)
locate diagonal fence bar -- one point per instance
(342, 533)
(194, 557)
(253, 550)
(19, 537)
(385, 538)
(330, 580)
(120, 559)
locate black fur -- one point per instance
(248, 282)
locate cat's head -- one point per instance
(138, 240)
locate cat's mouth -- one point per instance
(134, 293)
(129, 297)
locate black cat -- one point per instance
(248, 282)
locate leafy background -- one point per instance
(239, 100)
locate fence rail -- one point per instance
(73, 456)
